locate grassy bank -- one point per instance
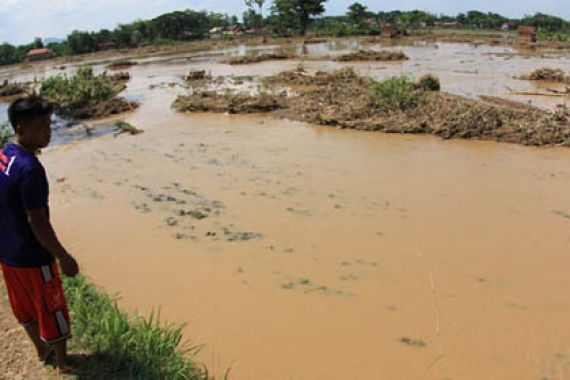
(125, 346)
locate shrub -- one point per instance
(6, 135)
(396, 93)
(85, 95)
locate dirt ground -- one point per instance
(17, 356)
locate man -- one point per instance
(28, 243)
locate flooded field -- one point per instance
(301, 252)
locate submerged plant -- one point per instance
(125, 127)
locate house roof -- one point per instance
(527, 29)
(38, 51)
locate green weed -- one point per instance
(6, 135)
(396, 93)
(123, 346)
(125, 127)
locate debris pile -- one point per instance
(344, 99)
(121, 64)
(371, 55)
(547, 74)
(198, 75)
(247, 59)
(85, 95)
(8, 89)
(210, 101)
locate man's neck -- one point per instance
(33, 150)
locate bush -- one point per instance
(429, 82)
(396, 93)
(80, 90)
(85, 95)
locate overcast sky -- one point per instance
(22, 20)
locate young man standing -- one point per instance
(28, 243)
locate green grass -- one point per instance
(396, 93)
(6, 135)
(124, 346)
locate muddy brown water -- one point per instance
(302, 252)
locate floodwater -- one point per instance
(301, 252)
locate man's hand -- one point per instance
(69, 266)
(45, 234)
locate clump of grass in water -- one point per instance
(123, 346)
(85, 95)
(396, 93)
(125, 127)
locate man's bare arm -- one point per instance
(44, 232)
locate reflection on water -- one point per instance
(65, 131)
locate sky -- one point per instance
(22, 20)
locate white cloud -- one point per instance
(22, 20)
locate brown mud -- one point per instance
(370, 56)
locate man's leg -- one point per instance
(33, 331)
(61, 356)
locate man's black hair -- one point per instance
(27, 108)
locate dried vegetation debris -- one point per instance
(9, 89)
(248, 59)
(211, 101)
(121, 64)
(198, 75)
(547, 74)
(372, 55)
(345, 99)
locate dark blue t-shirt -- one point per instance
(23, 187)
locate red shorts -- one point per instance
(36, 296)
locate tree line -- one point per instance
(284, 18)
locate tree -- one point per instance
(252, 19)
(259, 3)
(173, 25)
(38, 43)
(7, 54)
(357, 13)
(81, 42)
(297, 13)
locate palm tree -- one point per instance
(259, 3)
